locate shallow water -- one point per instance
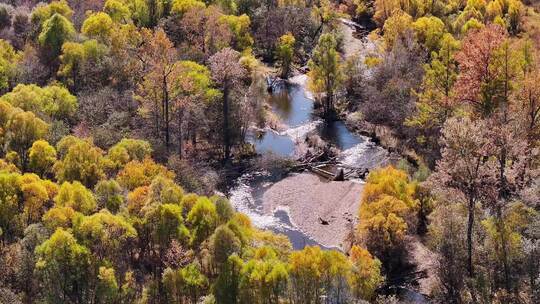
(293, 105)
(290, 103)
(273, 142)
(246, 197)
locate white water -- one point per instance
(356, 155)
(300, 132)
(243, 200)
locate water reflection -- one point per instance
(290, 105)
(336, 132)
(295, 110)
(271, 142)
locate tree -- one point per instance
(239, 26)
(202, 220)
(136, 174)
(263, 277)
(226, 287)
(8, 61)
(53, 101)
(225, 243)
(63, 267)
(56, 30)
(42, 157)
(305, 274)
(285, 53)
(325, 75)
(204, 33)
(366, 273)
(76, 196)
(6, 110)
(183, 284)
(511, 172)
(10, 221)
(526, 104)
(180, 7)
(192, 88)
(436, 102)
(22, 130)
(224, 209)
(136, 200)
(165, 223)
(383, 10)
(447, 236)
(109, 237)
(83, 162)
(109, 195)
(127, 150)
(327, 14)
(479, 81)
(387, 210)
(389, 97)
(383, 228)
(462, 168)
(164, 191)
(335, 269)
(396, 27)
(80, 62)
(107, 287)
(155, 90)
(42, 13)
(504, 241)
(429, 32)
(117, 10)
(514, 16)
(59, 217)
(5, 17)
(98, 26)
(227, 74)
(37, 195)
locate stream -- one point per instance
(292, 104)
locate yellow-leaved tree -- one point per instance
(387, 212)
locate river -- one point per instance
(292, 104)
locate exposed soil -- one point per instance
(324, 210)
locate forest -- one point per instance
(127, 126)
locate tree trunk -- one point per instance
(180, 147)
(470, 226)
(166, 112)
(226, 139)
(504, 249)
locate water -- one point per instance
(294, 108)
(337, 134)
(246, 197)
(292, 104)
(273, 142)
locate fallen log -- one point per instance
(326, 174)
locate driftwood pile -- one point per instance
(330, 169)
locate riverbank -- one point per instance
(324, 210)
